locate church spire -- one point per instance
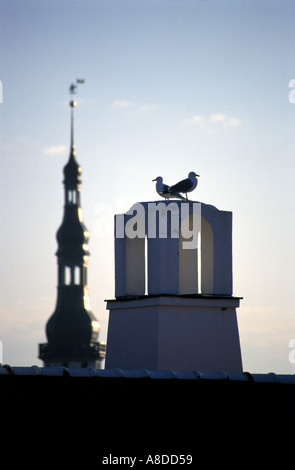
(72, 105)
(72, 331)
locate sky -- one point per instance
(171, 86)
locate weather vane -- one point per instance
(73, 88)
(73, 103)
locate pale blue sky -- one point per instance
(171, 86)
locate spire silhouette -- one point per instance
(72, 330)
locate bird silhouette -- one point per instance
(187, 185)
(164, 190)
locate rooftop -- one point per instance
(95, 414)
(144, 373)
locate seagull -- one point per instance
(164, 190)
(187, 185)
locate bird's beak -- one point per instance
(154, 179)
(198, 176)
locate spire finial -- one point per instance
(73, 103)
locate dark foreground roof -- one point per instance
(88, 413)
(144, 373)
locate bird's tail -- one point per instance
(176, 195)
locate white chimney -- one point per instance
(177, 312)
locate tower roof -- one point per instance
(72, 170)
